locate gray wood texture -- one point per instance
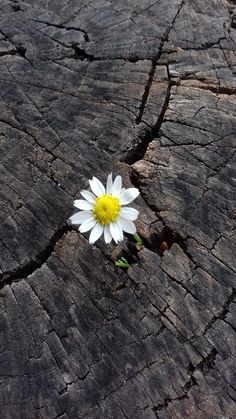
(145, 89)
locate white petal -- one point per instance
(129, 213)
(116, 189)
(96, 233)
(128, 195)
(89, 196)
(87, 225)
(80, 217)
(97, 187)
(126, 225)
(121, 232)
(109, 184)
(116, 232)
(107, 234)
(83, 205)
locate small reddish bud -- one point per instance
(164, 246)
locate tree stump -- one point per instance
(146, 90)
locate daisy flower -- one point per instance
(104, 210)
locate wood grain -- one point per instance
(145, 89)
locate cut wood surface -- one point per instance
(145, 89)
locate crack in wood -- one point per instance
(224, 312)
(28, 268)
(146, 93)
(204, 366)
(139, 151)
(60, 26)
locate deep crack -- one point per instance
(68, 28)
(140, 150)
(146, 93)
(29, 267)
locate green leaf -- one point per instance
(122, 263)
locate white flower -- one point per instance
(103, 211)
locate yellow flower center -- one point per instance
(106, 209)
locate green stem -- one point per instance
(137, 238)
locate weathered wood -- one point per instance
(145, 89)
